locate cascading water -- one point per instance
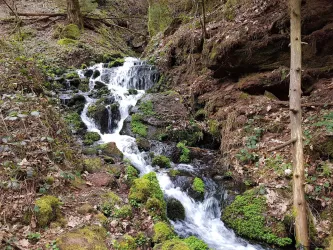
(202, 218)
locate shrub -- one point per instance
(246, 215)
(161, 161)
(185, 155)
(198, 185)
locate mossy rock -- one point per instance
(155, 207)
(162, 232)
(93, 165)
(110, 149)
(198, 185)
(71, 31)
(131, 174)
(85, 209)
(161, 161)
(126, 243)
(174, 244)
(48, 210)
(116, 62)
(91, 137)
(143, 144)
(195, 244)
(67, 42)
(87, 238)
(175, 210)
(144, 188)
(247, 216)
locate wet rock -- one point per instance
(88, 73)
(175, 210)
(96, 74)
(99, 85)
(75, 82)
(143, 144)
(100, 114)
(77, 103)
(110, 149)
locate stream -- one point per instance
(202, 218)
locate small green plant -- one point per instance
(161, 161)
(195, 244)
(137, 125)
(245, 156)
(326, 122)
(141, 239)
(185, 155)
(33, 237)
(278, 164)
(52, 245)
(91, 137)
(131, 173)
(253, 140)
(198, 185)
(123, 212)
(327, 169)
(147, 108)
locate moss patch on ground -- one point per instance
(246, 215)
(47, 210)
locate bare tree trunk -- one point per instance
(300, 206)
(74, 13)
(204, 30)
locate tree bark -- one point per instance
(299, 203)
(73, 13)
(204, 30)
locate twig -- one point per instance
(283, 145)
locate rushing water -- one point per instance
(202, 218)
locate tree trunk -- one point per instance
(300, 206)
(73, 13)
(204, 31)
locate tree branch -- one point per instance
(283, 145)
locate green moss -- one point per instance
(66, 42)
(161, 161)
(175, 210)
(229, 11)
(116, 63)
(47, 210)
(144, 188)
(126, 243)
(71, 31)
(195, 244)
(74, 120)
(147, 108)
(123, 212)
(109, 201)
(246, 215)
(155, 207)
(132, 92)
(174, 244)
(174, 172)
(198, 185)
(185, 155)
(137, 126)
(162, 232)
(85, 209)
(200, 115)
(131, 174)
(87, 238)
(244, 96)
(93, 165)
(214, 129)
(91, 137)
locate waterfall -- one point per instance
(202, 218)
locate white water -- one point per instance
(202, 218)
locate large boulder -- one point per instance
(175, 210)
(110, 149)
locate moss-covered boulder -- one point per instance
(110, 149)
(91, 137)
(93, 165)
(197, 190)
(71, 31)
(131, 174)
(175, 210)
(76, 103)
(162, 232)
(116, 62)
(247, 215)
(87, 238)
(47, 210)
(143, 144)
(161, 161)
(127, 242)
(145, 188)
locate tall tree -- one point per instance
(74, 13)
(299, 202)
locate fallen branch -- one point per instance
(41, 14)
(309, 104)
(283, 145)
